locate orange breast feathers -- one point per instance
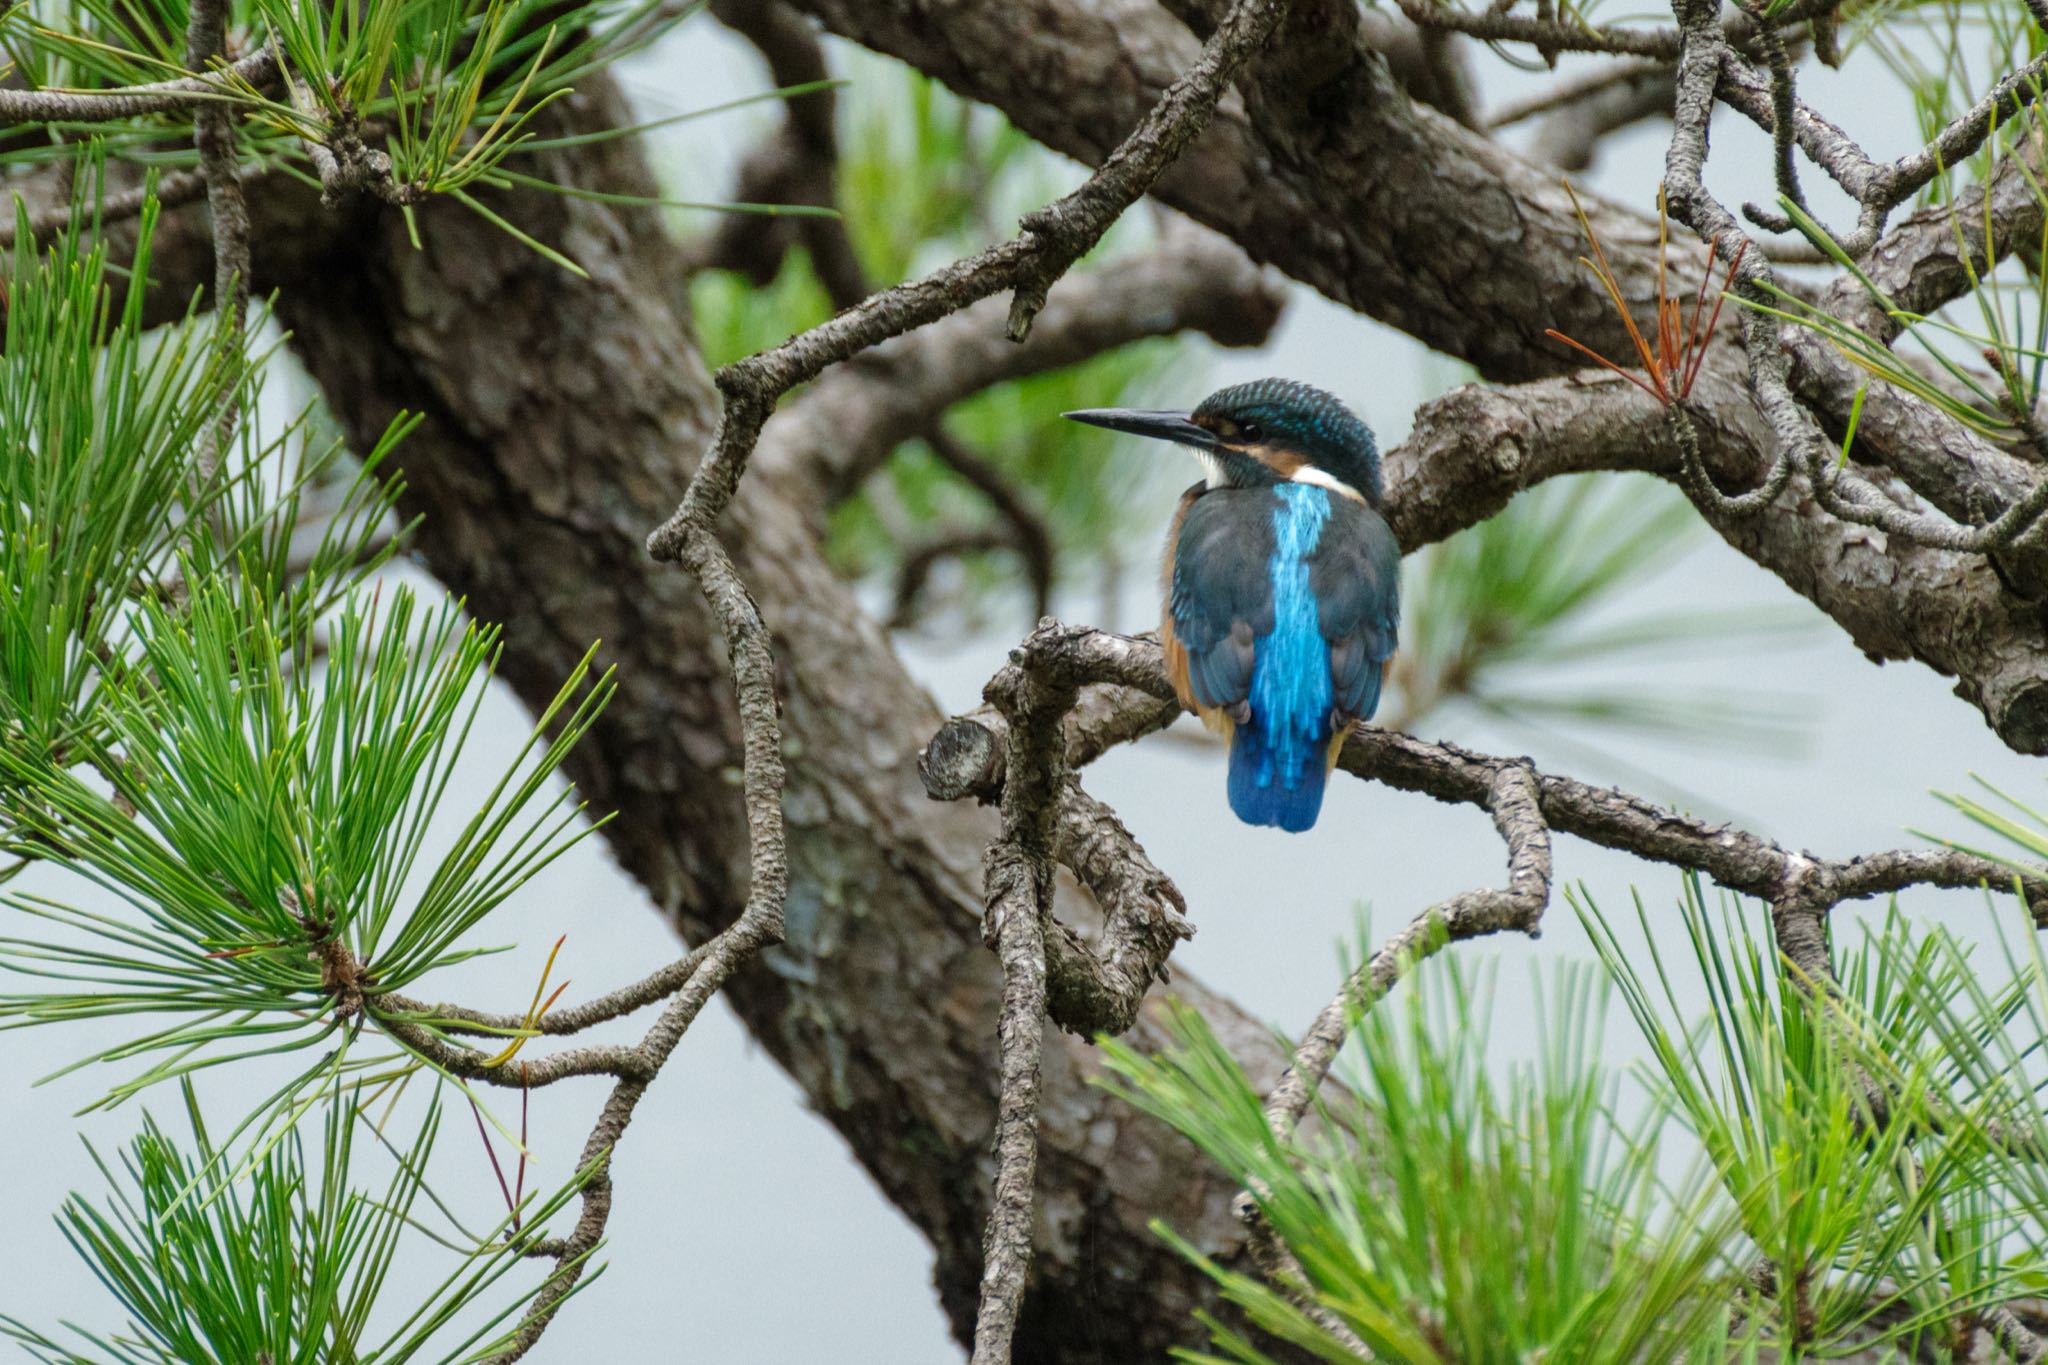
(1215, 717)
(1177, 653)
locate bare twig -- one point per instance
(227, 214)
(1783, 98)
(1016, 929)
(1572, 91)
(257, 71)
(1027, 265)
(652, 989)
(1514, 799)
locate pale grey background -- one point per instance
(744, 1231)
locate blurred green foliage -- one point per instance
(926, 177)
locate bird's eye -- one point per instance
(1250, 431)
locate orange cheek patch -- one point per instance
(1285, 463)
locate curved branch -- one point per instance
(798, 165)
(1016, 930)
(1515, 802)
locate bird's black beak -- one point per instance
(1165, 426)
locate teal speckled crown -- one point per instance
(1306, 419)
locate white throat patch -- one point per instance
(1321, 478)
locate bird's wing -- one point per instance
(1355, 574)
(1220, 598)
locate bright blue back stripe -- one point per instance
(1291, 693)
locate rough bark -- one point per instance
(562, 419)
(1322, 167)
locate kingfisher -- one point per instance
(1282, 584)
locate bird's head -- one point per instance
(1265, 432)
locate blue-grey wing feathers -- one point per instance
(1356, 577)
(1220, 602)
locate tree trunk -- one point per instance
(562, 420)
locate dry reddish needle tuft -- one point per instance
(1673, 364)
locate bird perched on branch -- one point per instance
(1282, 584)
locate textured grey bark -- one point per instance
(1323, 166)
(562, 420)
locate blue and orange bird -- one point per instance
(1282, 584)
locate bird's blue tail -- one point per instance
(1260, 790)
